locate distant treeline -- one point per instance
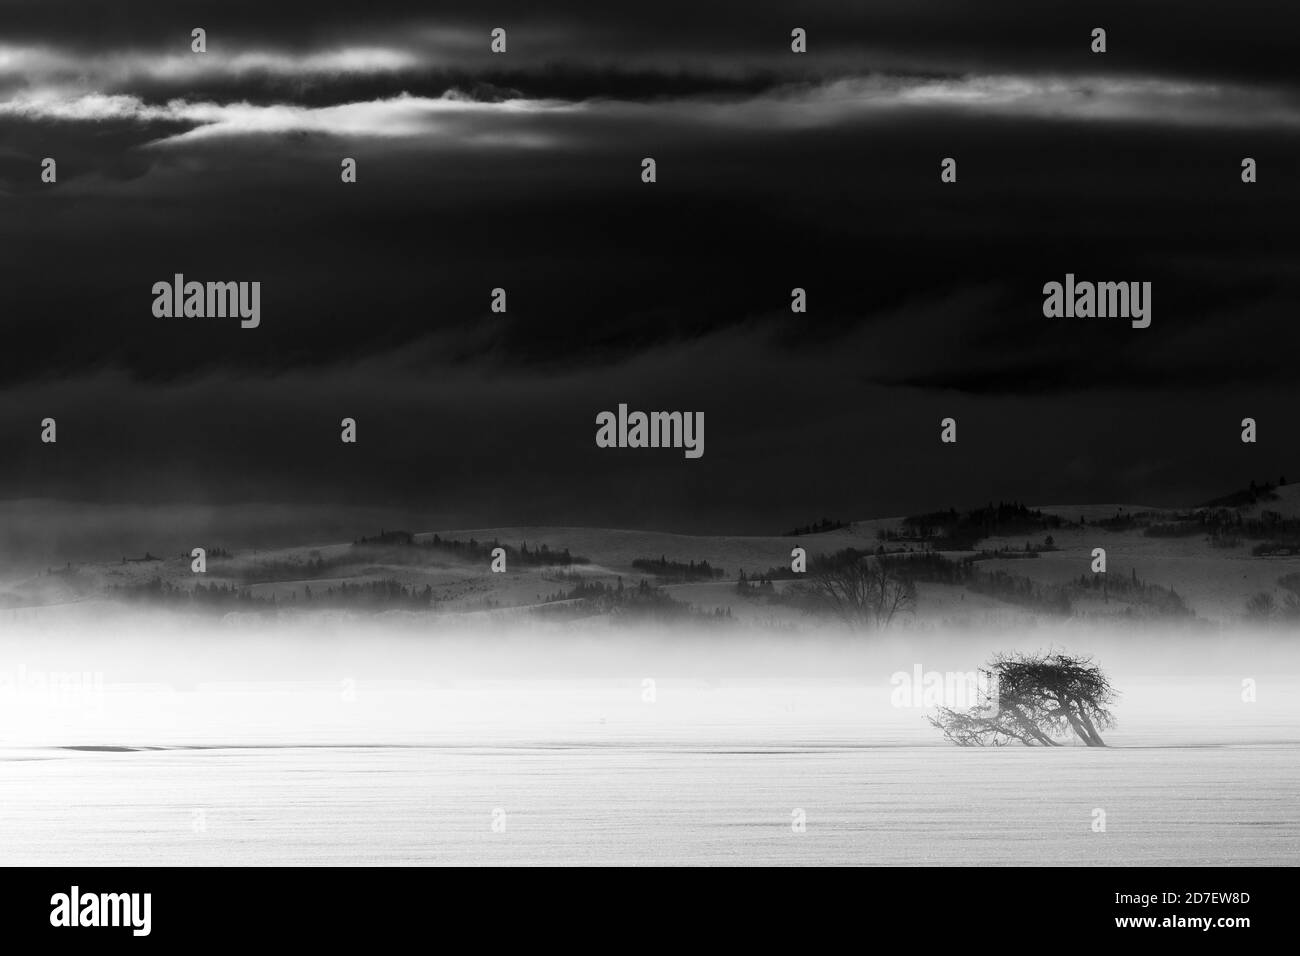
(960, 531)
(1021, 591)
(222, 597)
(287, 570)
(1038, 596)
(643, 603)
(474, 549)
(387, 594)
(1219, 521)
(382, 595)
(932, 567)
(1123, 521)
(1135, 591)
(677, 570)
(817, 527)
(1247, 496)
(1006, 552)
(1276, 534)
(215, 552)
(761, 585)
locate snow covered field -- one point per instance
(652, 803)
(622, 751)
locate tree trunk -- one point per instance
(1088, 737)
(1031, 728)
(1095, 738)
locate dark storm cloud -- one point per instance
(775, 171)
(549, 81)
(545, 200)
(1252, 39)
(785, 434)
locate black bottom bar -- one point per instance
(1176, 907)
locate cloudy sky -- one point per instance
(522, 171)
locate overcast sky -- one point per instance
(522, 171)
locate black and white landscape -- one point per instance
(963, 337)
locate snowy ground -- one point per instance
(360, 751)
(652, 803)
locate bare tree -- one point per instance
(1261, 606)
(863, 592)
(1036, 699)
